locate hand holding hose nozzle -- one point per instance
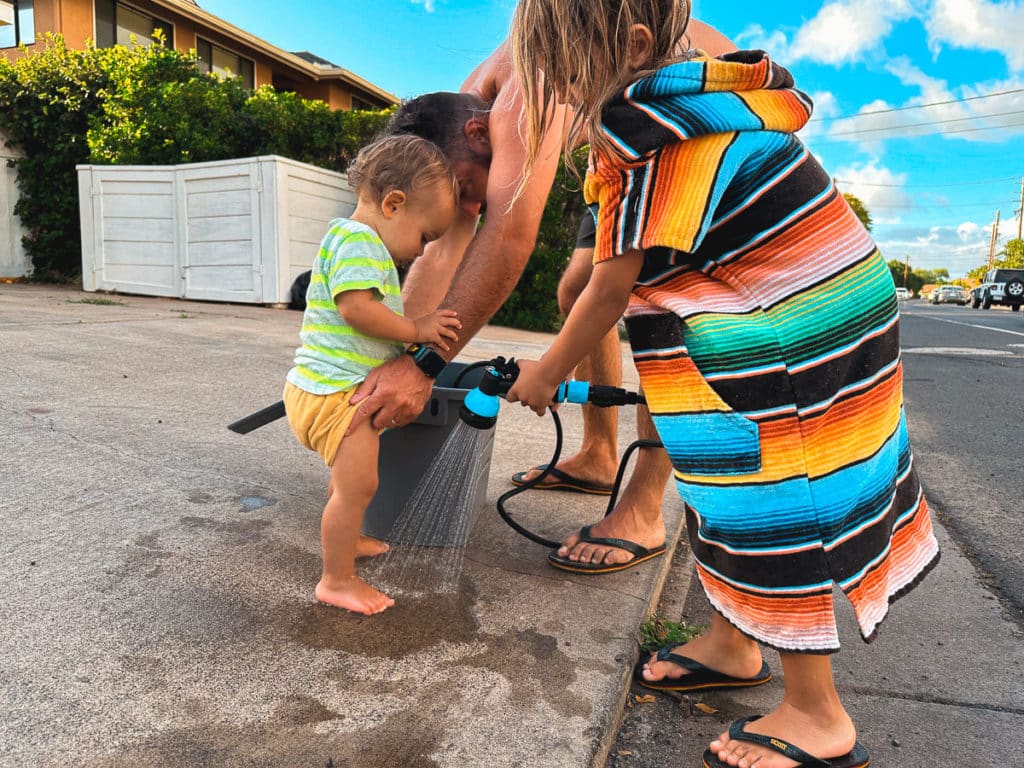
(480, 407)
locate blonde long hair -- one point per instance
(583, 45)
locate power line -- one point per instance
(925, 124)
(920, 106)
(827, 140)
(938, 206)
(927, 186)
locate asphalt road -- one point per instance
(964, 390)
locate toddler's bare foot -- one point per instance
(368, 546)
(353, 595)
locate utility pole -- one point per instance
(1020, 209)
(992, 243)
(906, 269)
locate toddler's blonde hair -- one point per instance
(404, 163)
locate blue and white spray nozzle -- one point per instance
(480, 407)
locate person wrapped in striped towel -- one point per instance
(764, 325)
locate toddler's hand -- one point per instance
(437, 326)
(533, 388)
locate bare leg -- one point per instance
(637, 514)
(810, 717)
(366, 546)
(353, 484)
(597, 458)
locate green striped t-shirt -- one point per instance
(334, 356)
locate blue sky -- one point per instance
(919, 103)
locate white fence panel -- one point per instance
(235, 230)
(14, 261)
(129, 237)
(222, 256)
(313, 199)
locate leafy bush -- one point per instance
(45, 103)
(64, 107)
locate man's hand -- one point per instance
(436, 327)
(393, 395)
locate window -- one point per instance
(219, 61)
(17, 23)
(358, 104)
(117, 24)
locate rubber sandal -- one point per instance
(557, 480)
(640, 555)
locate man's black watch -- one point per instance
(427, 360)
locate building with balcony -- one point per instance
(221, 47)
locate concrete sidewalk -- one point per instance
(157, 576)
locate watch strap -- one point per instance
(427, 360)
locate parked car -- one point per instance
(949, 294)
(1003, 286)
(902, 293)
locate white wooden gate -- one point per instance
(236, 230)
(221, 232)
(13, 260)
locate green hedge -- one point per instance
(63, 107)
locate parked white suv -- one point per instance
(1002, 286)
(902, 293)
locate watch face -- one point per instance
(427, 360)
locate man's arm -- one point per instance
(428, 279)
(497, 255)
(708, 39)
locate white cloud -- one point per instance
(825, 104)
(844, 30)
(879, 188)
(956, 119)
(958, 248)
(968, 231)
(978, 24)
(428, 5)
(755, 37)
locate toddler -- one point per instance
(354, 322)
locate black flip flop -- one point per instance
(855, 758)
(700, 677)
(557, 480)
(640, 554)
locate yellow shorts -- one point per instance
(319, 421)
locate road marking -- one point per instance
(958, 351)
(974, 325)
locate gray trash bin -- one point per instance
(407, 453)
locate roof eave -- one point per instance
(315, 73)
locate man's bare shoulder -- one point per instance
(491, 75)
